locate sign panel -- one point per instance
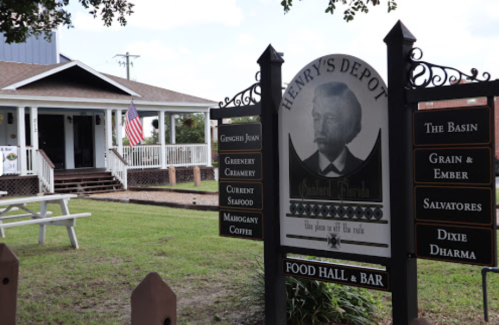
(240, 137)
(459, 244)
(10, 159)
(240, 195)
(240, 166)
(459, 126)
(333, 159)
(337, 273)
(453, 166)
(464, 205)
(242, 224)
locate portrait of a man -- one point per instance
(337, 118)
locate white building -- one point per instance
(59, 116)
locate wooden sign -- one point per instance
(455, 217)
(463, 205)
(470, 166)
(337, 273)
(460, 126)
(241, 224)
(241, 166)
(241, 195)
(240, 137)
(334, 173)
(459, 244)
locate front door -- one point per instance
(51, 138)
(83, 141)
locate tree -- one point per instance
(20, 19)
(189, 128)
(353, 6)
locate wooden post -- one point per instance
(197, 176)
(275, 290)
(153, 302)
(9, 273)
(403, 271)
(172, 176)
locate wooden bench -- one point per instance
(42, 218)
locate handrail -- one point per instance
(47, 159)
(118, 167)
(119, 156)
(45, 171)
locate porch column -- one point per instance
(33, 122)
(207, 137)
(109, 129)
(172, 128)
(162, 142)
(143, 130)
(119, 133)
(21, 139)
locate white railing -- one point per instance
(186, 154)
(44, 168)
(148, 156)
(30, 166)
(118, 167)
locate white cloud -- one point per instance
(162, 15)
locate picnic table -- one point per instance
(42, 218)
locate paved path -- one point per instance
(171, 197)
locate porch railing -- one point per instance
(148, 156)
(142, 156)
(186, 154)
(29, 163)
(44, 168)
(118, 167)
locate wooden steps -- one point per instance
(86, 183)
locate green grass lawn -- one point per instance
(121, 243)
(209, 186)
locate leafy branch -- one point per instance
(353, 6)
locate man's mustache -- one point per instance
(320, 138)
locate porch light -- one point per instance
(10, 118)
(70, 119)
(97, 120)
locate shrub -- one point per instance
(316, 302)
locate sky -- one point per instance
(209, 49)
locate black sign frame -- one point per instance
(226, 224)
(462, 113)
(469, 229)
(258, 166)
(234, 130)
(354, 272)
(437, 217)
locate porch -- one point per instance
(153, 158)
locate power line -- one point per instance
(127, 63)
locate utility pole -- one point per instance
(127, 56)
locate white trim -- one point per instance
(91, 103)
(21, 140)
(161, 129)
(65, 67)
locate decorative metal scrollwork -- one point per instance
(429, 74)
(247, 97)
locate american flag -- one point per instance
(133, 128)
